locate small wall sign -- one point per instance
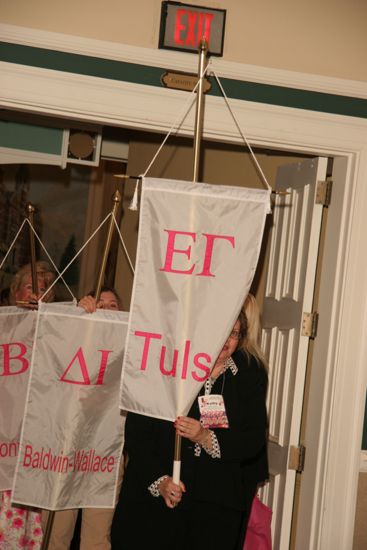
(184, 25)
(183, 81)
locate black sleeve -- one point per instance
(150, 448)
(245, 401)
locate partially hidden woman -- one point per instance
(20, 526)
(221, 467)
(95, 522)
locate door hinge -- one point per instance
(296, 460)
(323, 192)
(309, 324)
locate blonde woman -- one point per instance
(251, 342)
(21, 285)
(95, 522)
(20, 527)
(223, 459)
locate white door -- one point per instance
(294, 242)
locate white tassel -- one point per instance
(134, 202)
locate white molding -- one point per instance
(180, 61)
(344, 404)
(20, 156)
(102, 101)
(70, 160)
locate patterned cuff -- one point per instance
(213, 450)
(153, 488)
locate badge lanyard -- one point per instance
(212, 408)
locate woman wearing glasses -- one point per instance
(223, 457)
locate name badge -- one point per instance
(212, 411)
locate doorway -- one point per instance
(337, 422)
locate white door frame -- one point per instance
(343, 312)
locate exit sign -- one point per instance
(184, 25)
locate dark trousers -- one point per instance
(199, 526)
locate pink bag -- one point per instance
(258, 535)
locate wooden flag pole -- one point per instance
(116, 201)
(199, 117)
(48, 530)
(30, 211)
(32, 247)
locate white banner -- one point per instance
(198, 247)
(72, 434)
(16, 341)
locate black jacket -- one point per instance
(230, 480)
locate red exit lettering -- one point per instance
(191, 27)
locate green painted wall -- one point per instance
(28, 137)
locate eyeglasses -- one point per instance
(235, 335)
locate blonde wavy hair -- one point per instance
(251, 329)
(42, 268)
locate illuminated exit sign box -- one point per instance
(184, 25)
